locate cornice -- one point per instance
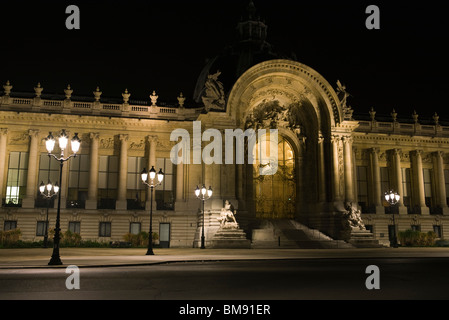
(399, 138)
(38, 120)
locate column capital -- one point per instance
(335, 138)
(347, 139)
(320, 138)
(33, 133)
(374, 150)
(152, 138)
(438, 154)
(417, 152)
(123, 137)
(3, 131)
(396, 152)
(94, 135)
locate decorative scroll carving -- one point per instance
(19, 138)
(140, 145)
(107, 143)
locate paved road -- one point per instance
(400, 278)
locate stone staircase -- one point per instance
(291, 234)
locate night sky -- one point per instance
(163, 45)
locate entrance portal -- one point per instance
(275, 195)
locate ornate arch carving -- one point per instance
(289, 80)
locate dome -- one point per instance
(220, 73)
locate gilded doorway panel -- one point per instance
(275, 195)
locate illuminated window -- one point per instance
(17, 177)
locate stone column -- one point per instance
(376, 187)
(396, 154)
(438, 170)
(92, 194)
(123, 170)
(349, 187)
(335, 173)
(31, 191)
(321, 170)
(354, 176)
(215, 182)
(418, 178)
(152, 140)
(3, 140)
(179, 182)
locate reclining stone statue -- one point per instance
(227, 216)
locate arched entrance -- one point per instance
(303, 106)
(275, 195)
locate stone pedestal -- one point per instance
(363, 239)
(230, 236)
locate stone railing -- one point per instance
(67, 106)
(411, 129)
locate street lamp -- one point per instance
(151, 183)
(48, 195)
(392, 198)
(203, 194)
(50, 142)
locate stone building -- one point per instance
(328, 159)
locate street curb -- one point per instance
(138, 264)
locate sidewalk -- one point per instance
(109, 257)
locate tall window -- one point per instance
(78, 181)
(446, 181)
(427, 175)
(135, 193)
(165, 197)
(275, 195)
(362, 187)
(406, 188)
(107, 182)
(384, 180)
(48, 171)
(17, 177)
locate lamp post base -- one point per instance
(202, 243)
(55, 261)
